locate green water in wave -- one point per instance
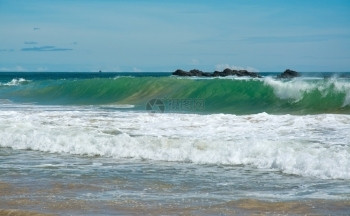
(219, 95)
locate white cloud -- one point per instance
(135, 69)
(221, 67)
(41, 69)
(195, 62)
(17, 68)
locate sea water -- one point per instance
(86, 143)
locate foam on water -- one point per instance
(294, 89)
(15, 82)
(298, 88)
(311, 145)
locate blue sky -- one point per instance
(163, 35)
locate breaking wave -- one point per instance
(235, 96)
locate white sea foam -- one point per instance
(342, 87)
(315, 145)
(293, 89)
(5, 101)
(118, 106)
(296, 88)
(118, 77)
(15, 82)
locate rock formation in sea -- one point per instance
(288, 74)
(226, 72)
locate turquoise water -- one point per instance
(92, 144)
(305, 95)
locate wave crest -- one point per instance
(15, 82)
(235, 96)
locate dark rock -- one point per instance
(196, 72)
(206, 74)
(179, 72)
(288, 74)
(217, 74)
(226, 72)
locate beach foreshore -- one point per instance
(238, 207)
(15, 212)
(21, 201)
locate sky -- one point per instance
(164, 35)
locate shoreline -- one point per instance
(57, 200)
(235, 207)
(17, 212)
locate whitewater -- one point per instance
(230, 139)
(315, 146)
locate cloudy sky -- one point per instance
(163, 35)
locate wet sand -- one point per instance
(14, 212)
(59, 199)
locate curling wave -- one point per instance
(235, 96)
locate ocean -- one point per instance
(156, 144)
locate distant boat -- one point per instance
(100, 71)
